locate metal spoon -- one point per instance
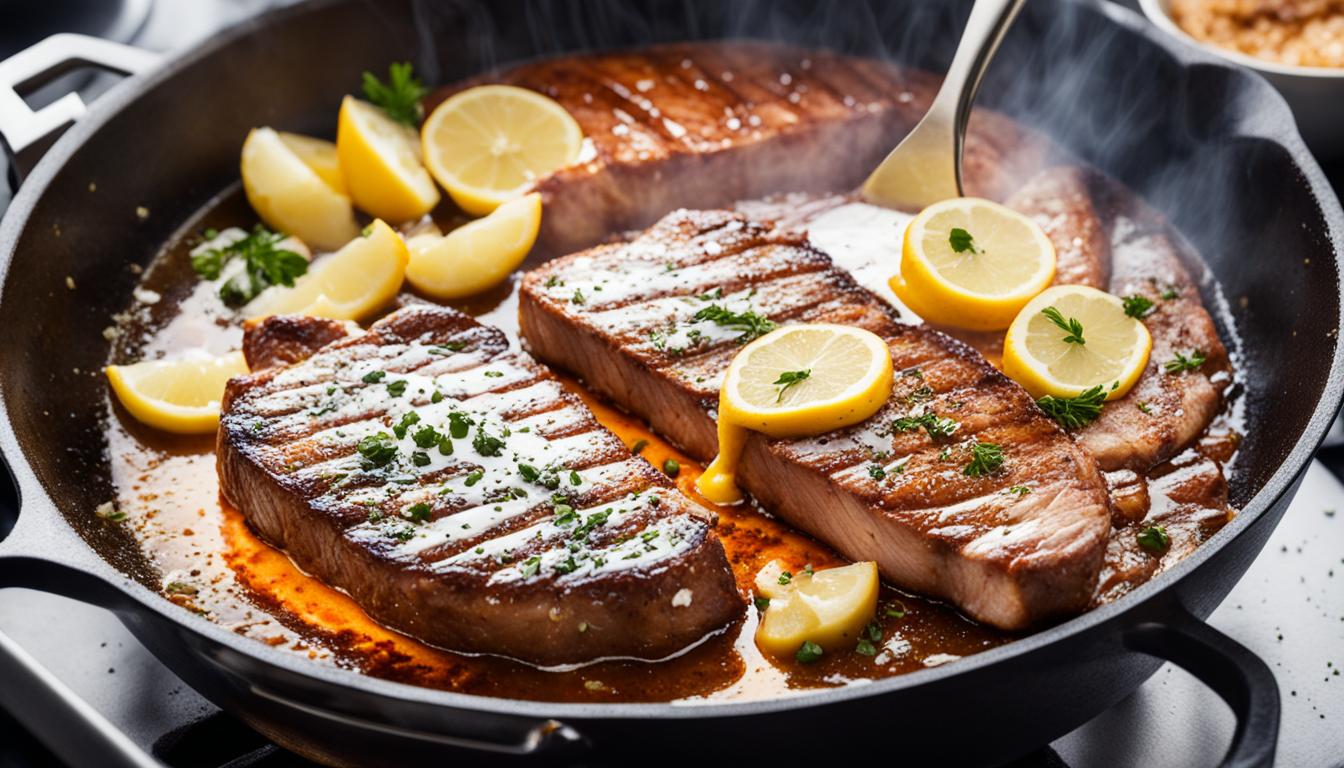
(926, 166)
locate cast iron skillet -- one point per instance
(1213, 147)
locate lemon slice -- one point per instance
(292, 197)
(477, 255)
(1114, 348)
(179, 396)
(381, 162)
(318, 155)
(972, 263)
(351, 284)
(829, 608)
(485, 144)
(794, 381)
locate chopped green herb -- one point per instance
(418, 512)
(1142, 406)
(530, 566)
(1075, 412)
(448, 348)
(264, 265)
(961, 241)
(895, 610)
(574, 478)
(785, 577)
(750, 324)
(1019, 491)
(426, 437)
(1169, 293)
(594, 520)
(400, 97)
(494, 374)
(876, 471)
(396, 388)
(1154, 538)
(553, 281)
(639, 445)
(671, 467)
(1137, 306)
(807, 569)
(713, 295)
(986, 458)
(1183, 363)
(445, 445)
(420, 458)
(459, 425)
(808, 652)
(473, 477)
(487, 444)
(377, 450)
(578, 298)
(761, 603)
(373, 377)
(872, 635)
(410, 419)
(1072, 327)
(788, 379)
(937, 426)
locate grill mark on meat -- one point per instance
(1005, 559)
(494, 561)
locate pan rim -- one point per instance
(1275, 488)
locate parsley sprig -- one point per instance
(986, 458)
(1182, 363)
(789, 379)
(1137, 306)
(750, 324)
(264, 265)
(1072, 327)
(400, 97)
(961, 241)
(1076, 412)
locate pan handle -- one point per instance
(1241, 678)
(26, 133)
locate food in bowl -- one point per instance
(1304, 33)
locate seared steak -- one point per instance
(459, 494)
(704, 124)
(1011, 546)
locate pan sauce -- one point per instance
(213, 564)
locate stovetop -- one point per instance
(1288, 608)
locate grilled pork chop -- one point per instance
(1010, 547)
(1106, 239)
(704, 124)
(459, 494)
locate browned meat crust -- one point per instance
(1167, 410)
(701, 125)
(284, 339)
(620, 316)
(468, 551)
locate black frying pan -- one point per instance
(1213, 147)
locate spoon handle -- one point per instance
(985, 29)
(926, 166)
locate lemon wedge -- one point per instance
(381, 162)
(477, 255)
(179, 396)
(794, 381)
(485, 144)
(351, 284)
(829, 608)
(318, 155)
(972, 263)
(1072, 338)
(290, 196)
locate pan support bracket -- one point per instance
(27, 133)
